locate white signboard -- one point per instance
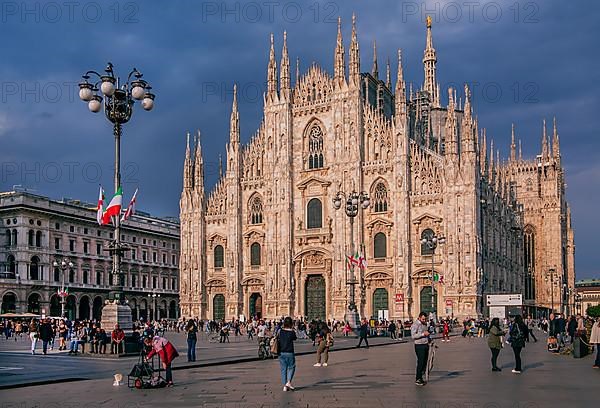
(498, 311)
(383, 315)
(505, 300)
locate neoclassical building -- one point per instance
(267, 240)
(35, 231)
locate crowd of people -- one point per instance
(281, 334)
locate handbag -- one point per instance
(329, 342)
(275, 345)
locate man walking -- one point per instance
(420, 335)
(46, 334)
(363, 332)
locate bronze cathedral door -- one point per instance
(315, 297)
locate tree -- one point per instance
(593, 311)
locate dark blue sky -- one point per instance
(526, 62)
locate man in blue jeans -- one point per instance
(420, 335)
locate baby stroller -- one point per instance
(146, 374)
(553, 346)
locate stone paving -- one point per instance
(377, 377)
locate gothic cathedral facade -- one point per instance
(267, 240)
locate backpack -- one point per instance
(517, 339)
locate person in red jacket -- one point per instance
(167, 353)
(117, 337)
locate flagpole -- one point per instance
(116, 270)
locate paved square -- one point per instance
(377, 377)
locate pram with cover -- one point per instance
(146, 374)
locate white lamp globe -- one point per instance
(86, 94)
(94, 105)
(148, 104)
(137, 92)
(107, 88)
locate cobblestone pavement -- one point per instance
(377, 377)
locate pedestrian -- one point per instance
(33, 334)
(420, 335)
(530, 327)
(287, 357)
(571, 328)
(117, 336)
(363, 332)
(495, 342)
(191, 329)
(63, 331)
(325, 339)
(46, 333)
(595, 339)
(446, 331)
(392, 330)
(167, 353)
(518, 333)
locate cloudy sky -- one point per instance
(525, 61)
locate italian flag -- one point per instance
(100, 208)
(114, 207)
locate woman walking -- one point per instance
(495, 342)
(595, 339)
(325, 341)
(287, 358)
(192, 337)
(518, 333)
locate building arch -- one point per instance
(380, 246)
(314, 135)
(218, 304)
(35, 269)
(33, 303)
(9, 302)
(55, 307)
(97, 308)
(11, 264)
(219, 256)
(255, 254)
(173, 309)
(84, 307)
(380, 196)
(427, 234)
(255, 209)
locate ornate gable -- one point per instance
(378, 135)
(315, 87)
(426, 169)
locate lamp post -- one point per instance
(118, 107)
(578, 303)
(63, 264)
(551, 277)
(154, 297)
(354, 201)
(432, 241)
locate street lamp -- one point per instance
(118, 107)
(552, 277)
(63, 264)
(578, 303)
(154, 296)
(354, 201)
(432, 241)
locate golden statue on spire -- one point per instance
(428, 21)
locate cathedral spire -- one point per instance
(555, 142)
(400, 93)
(520, 151)
(297, 70)
(220, 166)
(198, 166)
(483, 152)
(467, 108)
(354, 63)
(187, 166)
(375, 70)
(272, 72)
(285, 68)
(451, 130)
(491, 162)
(388, 75)
(513, 146)
(234, 122)
(545, 150)
(339, 63)
(429, 61)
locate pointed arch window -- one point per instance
(380, 198)
(11, 265)
(256, 210)
(315, 147)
